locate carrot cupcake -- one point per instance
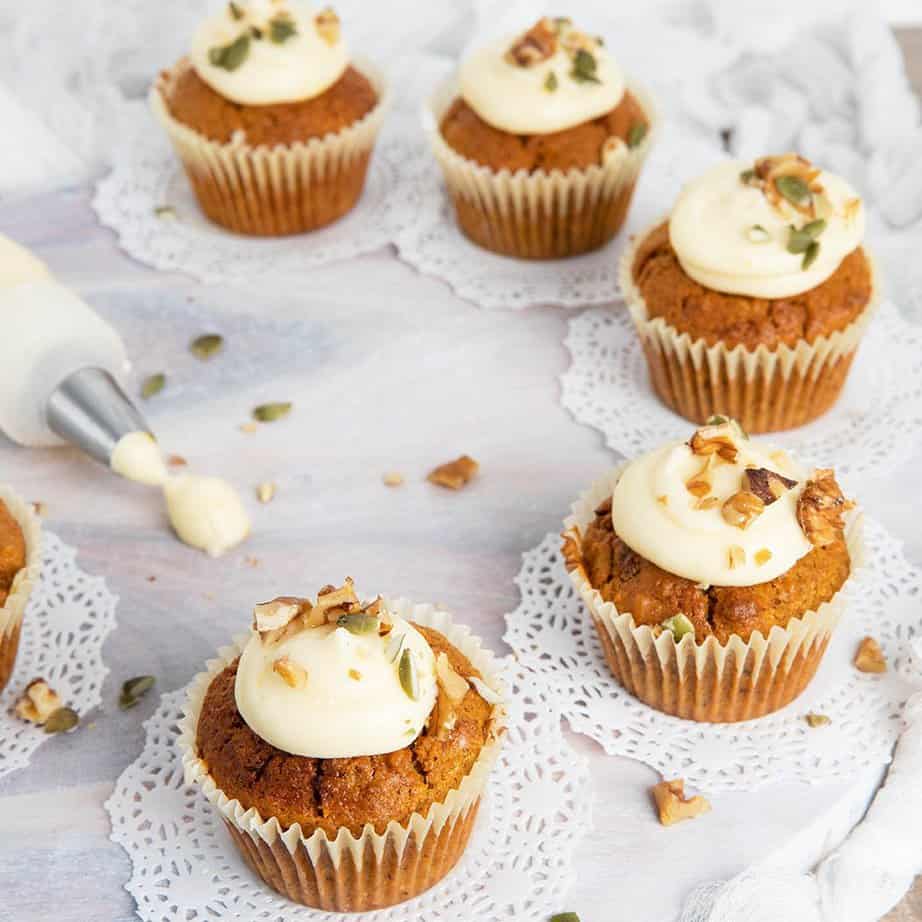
(752, 298)
(713, 571)
(272, 121)
(20, 560)
(346, 746)
(541, 140)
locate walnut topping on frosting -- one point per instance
(715, 440)
(786, 177)
(340, 606)
(294, 676)
(672, 804)
(821, 507)
(38, 702)
(534, 46)
(327, 23)
(742, 509)
(736, 556)
(766, 484)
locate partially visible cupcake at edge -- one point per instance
(274, 123)
(541, 139)
(752, 298)
(20, 563)
(713, 571)
(346, 745)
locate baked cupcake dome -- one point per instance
(273, 123)
(713, 572)
(541, 143)
(20, 563)
(751, 302)
(395, 778)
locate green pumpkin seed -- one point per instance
(204, 347)
(230, 57)
(234, 10)
(584, 67)
(135, 689)
(565, 917)
(281, 29)
(359, 623)
(794, 189)
(406, 671)
(758, 234)
(153, 385)
(747, 176)
(62, 721)
(810, 255)
(636, 134)
(165, 211)
(814, 228)
(550, 82)
(270, 412)
(680, 625)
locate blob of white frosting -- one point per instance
(137, 457)
(352, 702)
(206, 513)
(711, 231)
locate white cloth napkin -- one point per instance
(861, 880)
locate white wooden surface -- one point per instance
(388, 371)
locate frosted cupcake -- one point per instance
(541, 139)
(713, 570)
(20, 564)
(346, 746)
(752, 298)
(273, 122)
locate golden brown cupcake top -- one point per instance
(716, 535)
(12, 551)
(328, 794)
(732, 319)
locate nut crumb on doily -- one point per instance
(869, 657)
(38, 702)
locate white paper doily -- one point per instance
(874, 428)
(68, 619)
(435, 246)
(518, 864)
(552, 634)
(147, 176)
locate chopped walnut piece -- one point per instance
(177, 461)
(768, 170)
(534, 46)
(327, 23)
(293, 675)
(714, 440)
(265, 492)
(392, 479)
(817, 720)
(820, 509)
(869, 656)
(355, 675)
(674, 806)
(708, 502)
(763, 556)
(736, 556)
(742, 509)
(269, 618)
(38, 702)
(663, 500)
(455, 474)
(768, 485)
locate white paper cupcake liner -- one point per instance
(709, 681)
(764, 389)
(349, 872)
(286, 189)
(13, 611)
(539, 215)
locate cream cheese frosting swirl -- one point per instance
(297, 60)
(656, 515)
(547, 95)
(731, 237)
(349, 701)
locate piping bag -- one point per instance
(61, 373)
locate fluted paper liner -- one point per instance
(286, 189)
(709, 681)
(12, 612)
(373, 870)
(540, 214)
(765, 390)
